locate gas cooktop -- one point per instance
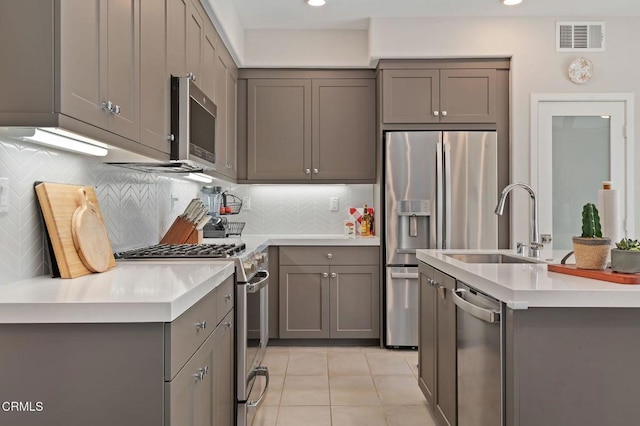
(172, 251)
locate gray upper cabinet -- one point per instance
(426, 96)
(154, 81)
(279, 129)
(99, 73)
(177, 17)
(195, 41)
(226, 95)
(209, 56)
(305, 126)
(343, 129)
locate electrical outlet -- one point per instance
(4, 195)
(246, 203)
(333, 204)
(174, 200)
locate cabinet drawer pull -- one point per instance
(334, 275)
(329, 256)
(325, 275)
(201, 325)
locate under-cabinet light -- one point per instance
(199, 177)
(65, 140)
(511, 2)
(316, 2)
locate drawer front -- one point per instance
(329, 255)
(187, 332)
(225, 298)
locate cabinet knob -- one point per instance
(201, 325)
(325, 275)
(334, 275)
(315, 171)
(228, 324)
(116, 110)
(227, 297)
(107, 106)
(444, 112)
(307, 171)
(436, 113)
(191, 76)
(171, 138)
(200, 373)
(329, 256)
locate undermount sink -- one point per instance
(490, 258)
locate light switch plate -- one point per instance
(246, 203)
(4, 195)
(333, 204)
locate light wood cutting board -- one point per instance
(58, 203)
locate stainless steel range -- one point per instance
(251, 311)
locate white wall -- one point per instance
(536, 66)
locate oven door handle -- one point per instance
(260, 371)
(254, 287)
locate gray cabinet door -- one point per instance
(224, 396)
(154, 78)
(195, 39)
(278, 129)
(123, 67)
(83, 83)
(410, 96)
(304, 302)
(446, 369)
(468, 96)
(354, 302)
(209, 55)
(343, 135)
(177, 18)
(222, 132)
(232, 122)
(427, 334)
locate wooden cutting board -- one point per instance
(605, 275)
(58, 203)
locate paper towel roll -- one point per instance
(609, 208)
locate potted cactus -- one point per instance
(626, 256)
(591, 249)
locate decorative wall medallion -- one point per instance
(580, 70)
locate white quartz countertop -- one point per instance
(146, 291)
(528, 285)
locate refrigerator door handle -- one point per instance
(446, 154)
(439, 196)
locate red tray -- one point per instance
(605, 275)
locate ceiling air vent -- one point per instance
(580, 36)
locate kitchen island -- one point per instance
(568, 346)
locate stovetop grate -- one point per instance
(168, 251)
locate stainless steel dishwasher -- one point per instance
(479, 352)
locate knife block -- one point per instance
(182, 232)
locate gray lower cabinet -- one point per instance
(329, 292)
(439, 95)
(128, 374)
(437, 344)
(309, 127)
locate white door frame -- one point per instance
(627, 100)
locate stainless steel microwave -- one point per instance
(193, 124)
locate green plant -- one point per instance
(591, 222)
(628, 244)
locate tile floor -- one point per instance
(342, 386)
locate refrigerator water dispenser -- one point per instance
(413, 225)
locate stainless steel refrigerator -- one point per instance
(441, 189)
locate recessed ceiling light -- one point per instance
(316, 2)
(511, 2)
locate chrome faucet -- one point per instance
(535, 245)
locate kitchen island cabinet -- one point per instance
(307, 126)
(155, 349)
(329, 292)
(567, 341)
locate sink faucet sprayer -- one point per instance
(535, 245)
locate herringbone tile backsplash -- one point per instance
(137, 206)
